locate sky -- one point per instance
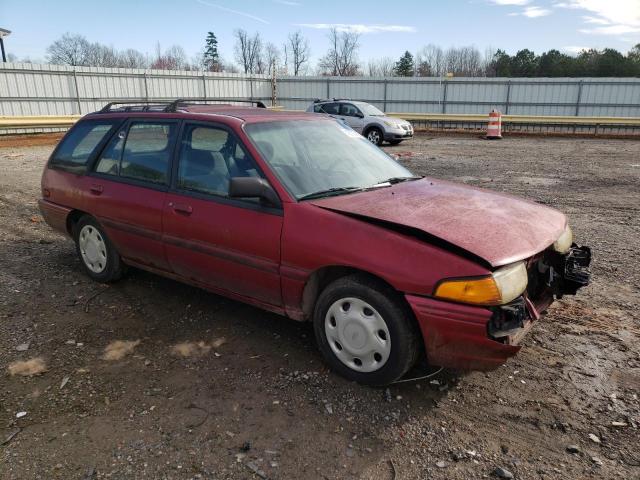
(387, 28)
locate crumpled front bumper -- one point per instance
(468, 337)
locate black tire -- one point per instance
(110, 267)
(402, 329)
(394, 142)
(374, 135)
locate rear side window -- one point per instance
(143, 153)
(330, 108)
(79, 145)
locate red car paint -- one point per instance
(270, 259)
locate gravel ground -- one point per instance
(211, 388)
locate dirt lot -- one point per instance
(255, 395)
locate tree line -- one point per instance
(252, 54)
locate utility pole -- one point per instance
(3, 33)
(274, 90)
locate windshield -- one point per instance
(369, 109)
(317, 156)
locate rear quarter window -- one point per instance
(75, 150)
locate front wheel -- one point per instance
(364, 331)
(374, 135)
(97, 254)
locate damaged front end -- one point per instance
(551, 275)
(475, 337)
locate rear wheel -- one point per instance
(97, 254)
(364, 332)
(374, 135)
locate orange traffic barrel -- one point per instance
(494, 128)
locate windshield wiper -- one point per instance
(394, 180)
(328, 192)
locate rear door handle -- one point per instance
(181, 207)
(96, 189)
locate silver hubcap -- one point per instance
(357, 334)
(93, 249)
(373, 136)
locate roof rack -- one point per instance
(184, 102)
(320, 100)
(137, 106)
(168, 105)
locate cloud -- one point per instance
(288, 3)
(532, 12)
(235, 12)
(518, 3)
(535, 12)
(359, 28)
(596, 20)
(616, 17)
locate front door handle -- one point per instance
(96, 189)
(181, 208)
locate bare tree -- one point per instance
(463, 62)
(131, 58)
(272, 57)
(297, 51)
(342, 57)
(174, 58)
(382, 67)
(248, 51)
(430, 61)
(69, 50)
(101, 56)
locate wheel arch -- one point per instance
(73, 218)
(371, 125)
(323, 276)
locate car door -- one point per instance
(352, 116)
(226, 244)
(129, 182)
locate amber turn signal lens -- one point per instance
(482, 291)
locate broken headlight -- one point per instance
(502, 286)
(564, 241)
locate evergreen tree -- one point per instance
(404, 66)
(211, 57)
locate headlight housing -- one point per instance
(502, 286)
(564, 241)
(389, 124)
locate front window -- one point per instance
(316, 157)
(208, 158)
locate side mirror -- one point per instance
(360, 115)
(253, 187)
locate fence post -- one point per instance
(579, 97)
(384, 104)
(274, 90)
(75, 82)
(204, 86)
(506, 103)
(444, 97)
(251, 87)
(146, 87)
(328, 86)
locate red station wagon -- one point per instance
(298, 214)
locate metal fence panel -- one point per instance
(30, 89)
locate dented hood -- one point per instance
(498, 228)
